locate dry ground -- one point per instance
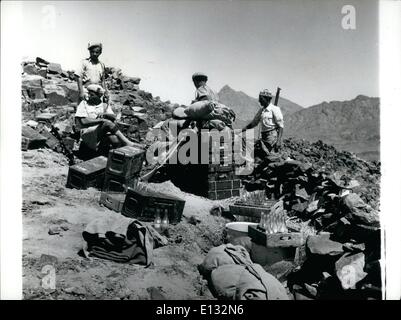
(47, 203)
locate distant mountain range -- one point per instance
(246, 107)
(352, 125)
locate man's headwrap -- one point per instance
(95, 44)
(265, 93)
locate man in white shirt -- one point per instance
(95, 119)
(271, 121)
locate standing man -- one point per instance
(271, 121)
(92, 72)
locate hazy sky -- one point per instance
(297, 45)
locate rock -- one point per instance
(320, 245)
(55, 95)
(359, 212)
(31, 81)
(35, 140)
(46, 117)
(71, 89)
(156, 293)
(46, 259)
(194, 220)
(301, 193)
(36, 93)
(30, 69)
(312, 206)
(75, 290)
(41, 61)
(31, 123)
(349, 270)
(54, 68)
(54, 230)
(138, 109)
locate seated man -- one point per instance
(203, 91)
(95, 119)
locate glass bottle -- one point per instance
(262, 221)
(157, 222)
(165, 221)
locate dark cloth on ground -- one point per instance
(119, 239)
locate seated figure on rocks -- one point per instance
(271, 121)
(95, 120)
(92, 71)
(203, 91)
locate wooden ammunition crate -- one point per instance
(223, 194)
(125, 161)
(24, 143)
(112, 200)
(32, 139)
(276, 240)
(46, 117)
(115, 183)
(251, 210)
(144, 205)
(87, 174)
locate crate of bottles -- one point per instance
(146, 205)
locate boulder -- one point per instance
(321, 245)
(71, 89)
(31, 81)
(30, 69)
(34, 139)
(349, 270)
(43, 72)
(36, 93)
(54, 68)
(41, 61)
(56, 95)
(359, 212)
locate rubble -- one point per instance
(331, 192)
(337, 194)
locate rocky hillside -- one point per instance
(49, 89)
(246, 107)
(352, 125)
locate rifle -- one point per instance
(173, 147)
(64, 150)
(277, 96)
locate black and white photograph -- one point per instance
(200, 150)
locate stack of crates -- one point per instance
(222, 182)
(215, 180)
(123, 167)
(122, 172)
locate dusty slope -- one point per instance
(48, 203)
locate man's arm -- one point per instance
(81, 93)
(254, 122)
(79, 76)
(88, 122)
(106, 92)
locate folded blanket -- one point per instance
(119, 239)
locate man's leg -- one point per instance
(108, 127)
